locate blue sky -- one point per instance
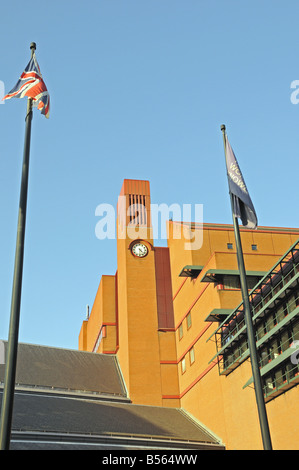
(138, 89)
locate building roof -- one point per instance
(217, 226)
(66, 399)
(68, 370)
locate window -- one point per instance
(281, 313)
(270, 321)
(260, 330)
(231, 282)
(101, 335)
(254, 247)
(243, 346)
(269, 385)
(191, 356)
(285, 340)
(264, 356)
(229, 246)
(183, 365)
(189, 321)
(181, 332)
(280, 377)
(291, 371)
(296, 331)
(292, 302)
(274, 349)
(252, 281)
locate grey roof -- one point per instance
(39, 417)
(69, 399)
(68, 370)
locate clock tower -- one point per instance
(138, 351)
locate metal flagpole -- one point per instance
(12, 345)
(258, 387)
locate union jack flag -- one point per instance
(31, 84)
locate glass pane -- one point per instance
(192, 356)
(189, 322)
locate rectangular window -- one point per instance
(181, 333)
(260, 330)
(254, 247)
(264, 357)
(270, 322)
(278, 377)
(285, 340)
(243, 346)
(274, 349)
(191, 356)
(189, 321)
(292, 302)
(183, 365)
(231, 282)
(252, 281)
(230, 246)
(295, 335)
(269, 385)
(281, 313)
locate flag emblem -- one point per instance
(242, 204)
(32, 85)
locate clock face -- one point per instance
(140, 250)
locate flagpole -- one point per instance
(12, 345)
(258, 387)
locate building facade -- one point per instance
(168, 314)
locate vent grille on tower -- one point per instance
(137, 202)
(137, 209)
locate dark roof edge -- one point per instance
(115, 440)
(121, 377)
(79, 394)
